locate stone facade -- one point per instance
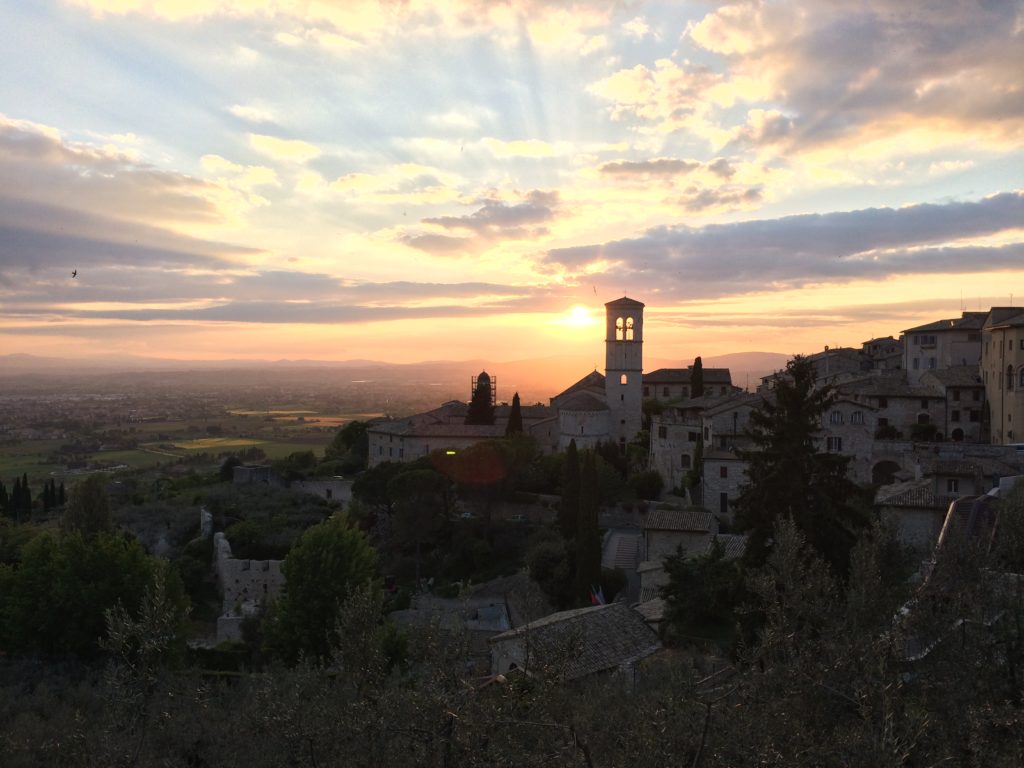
(942, 344)
(724, 475)
(1002, 370)
(245, 586)
(665, 530)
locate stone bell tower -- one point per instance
(623, 367)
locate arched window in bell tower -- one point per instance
(629, 329)
(620, 325)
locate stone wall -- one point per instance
(245, 586)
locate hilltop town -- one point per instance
(603, 541)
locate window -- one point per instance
(664, 391)
(662, 432)
(932, 362)
(629, 329)
(647, 391)
(917, 339)
(975, 416)
(723, 471)
(954, 415)
(1022, 343)
(834, 444)
(623, 379)
(922, 418)
(883, 422)
(956, 395)
(684, 461)
(835, 417)
(1009, 343)
(685, 391)
(692, 437)
(1009, 377)
(620, 329)
(622, 398)
(977, 394)
(917, 363)
(723, 503)
(857, 417)
(401, 453)
(952, 485)
(924, 403)
(883, 402)
(707, 433)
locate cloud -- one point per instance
(841, 70)
(37, 163)
(655, 167)
(290, 150)
(874, 243)
(522, 148)
(252, 113)
(664, 94)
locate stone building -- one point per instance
(245, 587)
(673, 384)
(942, 344)
(964, 394)
(1002, 371)
(578, 643)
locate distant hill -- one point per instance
(536, 379)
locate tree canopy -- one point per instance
(325, 566)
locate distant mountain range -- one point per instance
(536, 378)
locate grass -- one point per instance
(218, 443)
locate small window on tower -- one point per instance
(620, 326)
(623, 379)
(629, 329)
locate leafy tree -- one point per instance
(569, 506)
(481, 407)
(422, 506)
(350, 447)
(371, 486)
(54, 601)
(787, 477)
(329, 562)
(227, 468)
(550, 562)
(697, 378)
(647, 485)
(515, 417)
(88, 509)
(701, 595)
(588, 536)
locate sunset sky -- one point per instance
(418, 180)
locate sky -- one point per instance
(422, 180)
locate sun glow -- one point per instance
(579, 316)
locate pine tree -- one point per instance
(787, 477)
(697, 378)
(568, 510)
(588, 537)
(515, 417)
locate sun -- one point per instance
(579, 316)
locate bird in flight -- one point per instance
(74, 273)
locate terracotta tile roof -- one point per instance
(586, 640)
(679, 520)
(593, 380)
(583, 401)
(957, 376)
(914, 493)
(684, 375)
(970, 321)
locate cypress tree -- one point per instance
(697, 378)
(569, 508)
(14, 506)
(588, 537)
(26, 497)
(3, 498)
(515, 417)
(61, 497)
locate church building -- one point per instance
(597, 408)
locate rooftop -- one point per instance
(679, 520)
(583, 641)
